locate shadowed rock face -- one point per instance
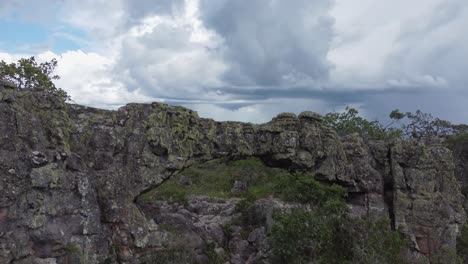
(70, 175)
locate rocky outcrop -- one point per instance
(70, 176)
(460, 153)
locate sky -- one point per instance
(248, 60)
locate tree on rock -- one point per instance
(349, 121)
(27, 73)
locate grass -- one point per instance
(216, 178)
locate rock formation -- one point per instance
(70, 176)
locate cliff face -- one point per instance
(70, 176)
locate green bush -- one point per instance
(349, 122)
(303, 188)
(322, 236)
(27, 73)
(418, 125)
(300, 236)
(375, 242)
(322, 231)
(291, 237)
(315, 233)
(315, 230)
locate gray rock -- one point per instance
(92, 193)
(239, 187)
(185, 181)
(312, 116)
(39, 158)
(7, 84)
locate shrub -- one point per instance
(315, 233)
(323, 232)
(418, 125)
(301, 236)
(27, 73)
(291, 236)
(350, 122)
(375, 242)
(303, 188)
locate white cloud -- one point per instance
(214, 53)
(399, 43)
(87, 78)
(170, 56)
(9, 58)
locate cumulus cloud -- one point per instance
(105, 20)
(170, 56)
(88, 77)
(248, 60)
(399, 44)
(197, 49)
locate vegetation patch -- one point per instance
(322, 231)
(303, 188)
(323, 236)
(418, 125)
(317, 229)
(216, 179)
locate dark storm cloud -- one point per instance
(267, 56)
(333, 97)
(272, 42)
(374, 105)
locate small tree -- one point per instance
(421, 125)
(418, 125)
(349, 122)
(27, 73)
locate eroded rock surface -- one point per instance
(70, 176)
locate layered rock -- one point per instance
(70, 175)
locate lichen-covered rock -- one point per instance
(70, 176)
(424, 187)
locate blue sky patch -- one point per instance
(21, 37)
